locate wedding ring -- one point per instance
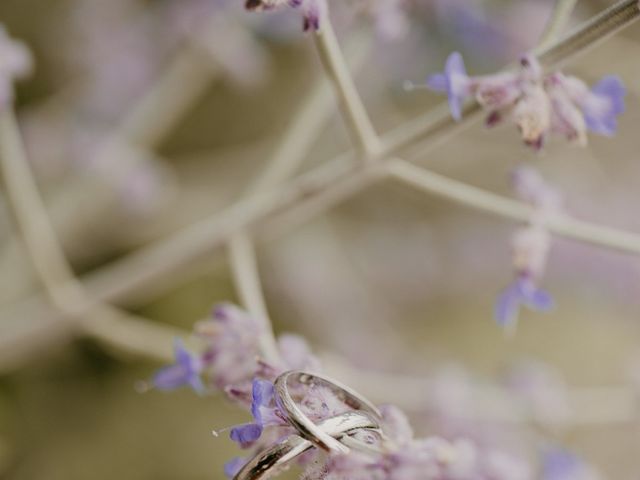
(305, 427)
(274, 459)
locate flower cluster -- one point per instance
(313, 11)
(16, 63)
(530, 246)
(231, 362)
(231, 359)
(426, 459)
(538, 104)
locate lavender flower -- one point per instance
(264, 414)
(16, 62)
(537, 104)
(184, 372)
(454, 81)
(599, 107)
(232, 336)
(427, 459)
(232, 348)
(530, 247)
(522, 292)
(562, 465)
(231, 359)
(313, 11)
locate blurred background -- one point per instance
(391, 280)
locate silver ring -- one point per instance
(303, 424)
(275, 458)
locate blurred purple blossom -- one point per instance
(454, 82)
(184, 372)
(406, 458)
(537, 104)
(560, 464)
(429, 459)
(580, 108)
(522, 292)
(530, 246)
(264, 414)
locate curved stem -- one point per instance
(476, 198)
(355, 114)
(244, 266)
(340, 179)
(559, 19)
(124, 332)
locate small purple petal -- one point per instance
(262, 393)
(540, 300)
(612, 87)
(456, 76)
(455, 65)
(521, 292)
(605, 104)
(560, 465)
(184, 372)
(454, 81)
(246, 434)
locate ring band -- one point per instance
(274, 458)
(303, 424)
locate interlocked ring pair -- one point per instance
(327, 434)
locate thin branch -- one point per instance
(591, 33)
(355, 114)
(133, 273)
(38, 235)
(124, 332)
(168, 100)
(146, 125)
(303, 130)
(478, 199)
(152, 341)
(244, 266)
(136, 273)
(559, 18)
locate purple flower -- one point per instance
(522, 292)
(602, 107)
(184, 372)
(263, 412)
(537, 104)
(560, 464)
(454, 81)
